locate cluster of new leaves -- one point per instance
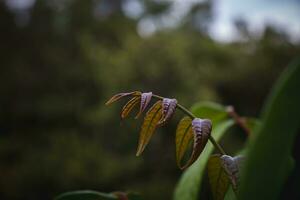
(223, 170)
(188, 130)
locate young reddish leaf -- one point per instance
(184, 135)
(231, 166)
(218, 179)
(149, 125)
(201, 130)
(145, 100)
(129, 106)
(120, 95)
(168, 109)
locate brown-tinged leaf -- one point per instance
(168, 109)
(129, 106)
(120, 95)
(231, 166)
(145, 100)
(149, 125)
(218, 179)
(184, 135)
(201, 130)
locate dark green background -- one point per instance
(57, 71)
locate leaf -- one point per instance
(201, 131)
(168, 109)
(270, 148)
(251, 123)
(184, 135)
(209, 110)
(129, 106)
(149, 125)
(190, 182)
(232, 165)
(218, 179)
(86, 195)
(121, 95)
(230, 195)
(145, 100)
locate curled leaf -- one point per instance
(120, 95)
(129, 106)
(184, 135)
(218, 179)
(145, 100)
(231, 166)
(201, 131)
(149, 125)
(168, 109)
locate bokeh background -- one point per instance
(60, 60)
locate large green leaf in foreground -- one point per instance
(268, 153)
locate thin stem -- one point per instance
(192, 116)
(238, 120)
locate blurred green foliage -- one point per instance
(271, 147)
(59, 69)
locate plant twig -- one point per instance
(238, 119)
(192, 116)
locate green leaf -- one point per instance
(251, 123)
(190, 182)
(218, 179)
(149, 125)
(267, 162)
(86, 195)
(210, 110)
(230, 195)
